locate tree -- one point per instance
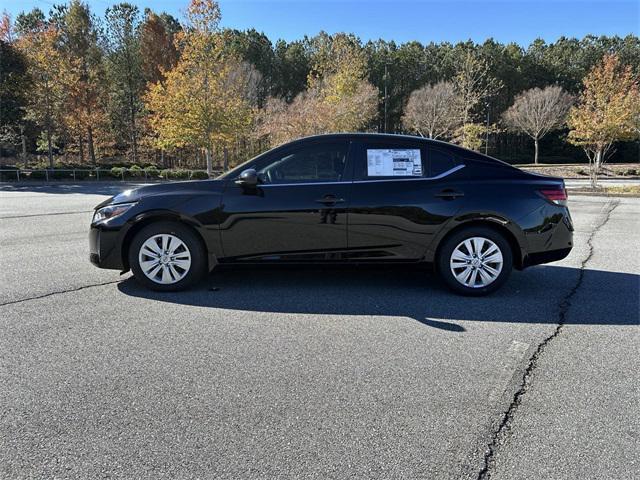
(291, 69)
(45, 68)
(30, 22)
(431, 111)
(157, 48)
(605, 111)
(338, 79)
(6, 28)
(206, 99)
(86, 98)
(537, 111)
(471, 135)
(338, 97)
(14, 86)
(125, 71)
(256, 49)
(473, 84)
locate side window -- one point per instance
(439, 161)
(323, 162)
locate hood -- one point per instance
(171, 188)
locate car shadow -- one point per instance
(532, 296)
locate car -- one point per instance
(342, 198)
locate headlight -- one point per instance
(111, 211)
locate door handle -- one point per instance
(449, 194)
(330, 200)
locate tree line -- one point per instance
(144, 87)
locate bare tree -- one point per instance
(432, 110)
(313, 112)
(537, 111)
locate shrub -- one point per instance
(631, 172)
(199, 175)
(180, 174)
(152, 171)
(582, 171)
(118, 172)
(136, 171)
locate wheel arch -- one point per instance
(162, 216)
(498, 225)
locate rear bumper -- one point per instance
(104, 251)
(551, 243)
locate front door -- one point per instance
(298, 210)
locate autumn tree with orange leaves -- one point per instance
(206, 100)
(605, 112)
(45, 67)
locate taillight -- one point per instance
(557, 195)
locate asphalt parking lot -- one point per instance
(314, 373)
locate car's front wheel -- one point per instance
(167, 256)
(475, 261)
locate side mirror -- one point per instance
(248, 178)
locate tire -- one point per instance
(167, 270)
(458, 272)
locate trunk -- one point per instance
(49, 147)
(81, 149)
(595, 168)
(24, 146)
(226, 160)
(207, 152)
(92, 153)
(162, 160)
(134, 135)
(135, 148)
(535, 156)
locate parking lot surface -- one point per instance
(314, 373)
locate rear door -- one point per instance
(403, 193)
(297, 212)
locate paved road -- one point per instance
(314, 373)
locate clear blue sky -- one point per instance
(520, 21)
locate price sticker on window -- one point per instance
(394, 162)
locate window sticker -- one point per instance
(396, 162)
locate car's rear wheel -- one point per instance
(167, 256)
(475, 261)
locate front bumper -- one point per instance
(104, 248)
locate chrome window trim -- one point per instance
(415, 179)
(401, 179)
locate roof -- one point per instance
(390, 136)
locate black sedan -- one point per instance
(342, 198)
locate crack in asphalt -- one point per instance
(502, 431)
(45, 295)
